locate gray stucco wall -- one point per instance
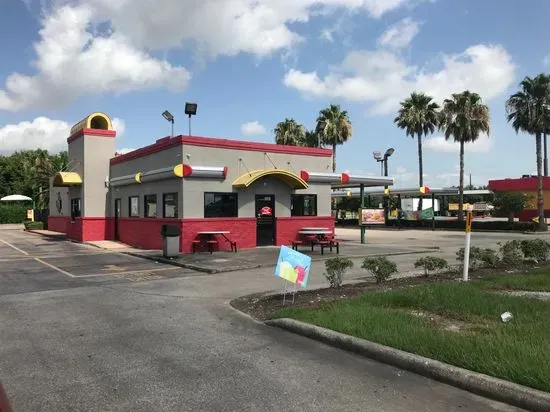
(98, 150)
(76, 164)
(65, 202)
(194, 188)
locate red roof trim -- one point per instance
(91, 132)
(167, 142)
(528, 183)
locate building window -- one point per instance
(303, 205)
(220, 205)
(170, 204)
(150, 205)
(75, 208)
(133, 206)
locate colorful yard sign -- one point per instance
(293, 266)
(371, 217)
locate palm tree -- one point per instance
(289, 132)
(311, 139)
(334, 128)
(529, 111)
(464, 117)
(418, 116)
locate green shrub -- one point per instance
(381, 267)
(431, 263)
(335, 269)
(34, 225)
(511, 253)
(489, 257)
(12, 213)
(536, 249)
(475, 256)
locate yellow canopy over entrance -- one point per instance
(62, 179)
(291, 179)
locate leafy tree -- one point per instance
(418, 116)
(510, 204)
(334, 127)
(289, 132)
(529, 111)
(310, 139)
(464, 117)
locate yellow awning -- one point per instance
(67, 179)
(291, 179)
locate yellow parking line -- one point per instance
(55, 268)
(13, 247)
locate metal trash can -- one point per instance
(170, 241)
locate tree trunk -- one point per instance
(461, 185)
(540, 196)
(420, 170)
(334, 158)
(545, 157)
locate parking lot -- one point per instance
(32, 263)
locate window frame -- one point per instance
(146, 208)
(176, 198)
(235, 204)
(303, 196)
(130, 206)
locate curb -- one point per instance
(200, 268)
(487, 386)
(61, 236)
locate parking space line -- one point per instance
(55, 268)
(13, 247)
(129, 272)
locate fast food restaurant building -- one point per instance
(263, 194)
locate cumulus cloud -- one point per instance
(252, 129)
(42, 133)
(382, 78)
(438, 144)
(103, 46)
(400, 34)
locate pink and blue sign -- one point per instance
(293, 266)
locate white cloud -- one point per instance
(252, 129)
(71, 61)
(483, 144)
(400, 34)
(383, 78)
(42, 133)
(119, 126)
(103, 46)
(125, 150)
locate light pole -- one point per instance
(388, 153)
(190, 110)
(384, 169)
(379, 159)
(168, 116)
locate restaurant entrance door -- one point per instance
(265, 220)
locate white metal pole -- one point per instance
(467, 244)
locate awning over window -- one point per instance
(63, 179)
(291, 179)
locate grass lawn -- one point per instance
(455, 323)
(538, 281)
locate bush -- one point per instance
(489, 257)
(536, 249)
(381, 267)
(34, 225)
(431, 263)
(511, 253)
(477, 225)
(475, 256)
(335, 269)
(13, 213)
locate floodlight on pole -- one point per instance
(377, 155)
(190, 110)
(168, 116)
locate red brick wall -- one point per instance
(288, 227)
(58, 223)
(243, 231)
(143, 233)
(74, 229)
(94, 228)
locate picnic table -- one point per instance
(211, 239)
(321, 236)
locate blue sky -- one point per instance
(257, 62)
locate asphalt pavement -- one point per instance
(86, 330)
